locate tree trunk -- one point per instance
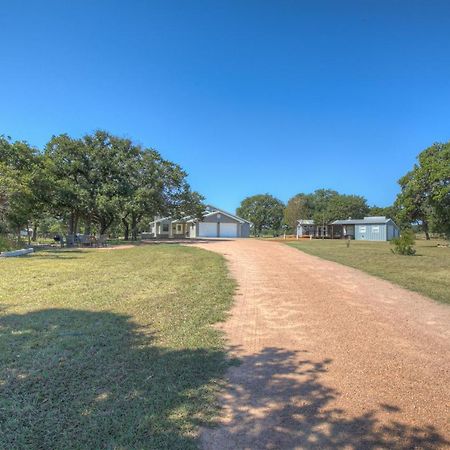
(75, 224)
(88, 227)
(425, 229)
(71, 223)
(104, 225)
(35, 227)
(103, 228)
(134, 227)
(126, 229)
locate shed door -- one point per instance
(228, 230)
(207, 229)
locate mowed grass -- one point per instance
(427, 273)
(111, 349)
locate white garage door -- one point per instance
(206, 229)
(228, 230)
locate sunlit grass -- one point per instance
(110, 348)
(428, 272)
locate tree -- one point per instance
(298, 207)
(23, 186)
(326, 205)
(425, 191)
(386, 211)
(103, 179)
(156, 187)
(345, 206)
(264, 211)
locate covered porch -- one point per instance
(307, 229)
(167, 228)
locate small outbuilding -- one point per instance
(374, 228)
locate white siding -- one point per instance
(207, 229)
(228, 230)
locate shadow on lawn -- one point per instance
(271, 409)
(95, 380)
(80, 379)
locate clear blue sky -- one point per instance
(249, 96)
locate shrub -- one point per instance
(404, 245)
(7, 244)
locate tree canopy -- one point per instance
(425, 191)
(264, 211)
(324, 206)
(95, 182)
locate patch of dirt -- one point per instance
(331, 357)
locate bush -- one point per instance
(404, 245)
(6, 244)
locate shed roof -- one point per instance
(366, 221)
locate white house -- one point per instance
(215, 223)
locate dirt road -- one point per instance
(331, 357)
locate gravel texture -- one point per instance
(331, 357)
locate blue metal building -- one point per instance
(377, 228)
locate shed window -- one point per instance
(376, 229)
(362, 229)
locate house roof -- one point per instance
(369, 220)
(209, 211)
(373, 220)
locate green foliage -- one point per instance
(298, 207)
(24, 189)
(425, 191)
(404, 245)
(264, 211)
(324, 206)
(7, 244)
(97, 180)
(341, 206)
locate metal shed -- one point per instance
(376, 228)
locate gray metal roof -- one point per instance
(365, 221)
(305, 222)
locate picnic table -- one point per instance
(82, 240)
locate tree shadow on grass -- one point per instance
(81, 379)
(276, 400)
(57, 253)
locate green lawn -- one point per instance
(111, 349)
(428, 272)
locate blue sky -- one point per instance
(249, 96)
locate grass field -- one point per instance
(428, 272)
(110, 349)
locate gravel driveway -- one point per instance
(331, 357)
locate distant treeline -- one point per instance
(423, 201)
(102, 183)
(96, 184)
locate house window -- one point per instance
(179, 228)
(165, 227)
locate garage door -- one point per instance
(206, 229)
(228, 230)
